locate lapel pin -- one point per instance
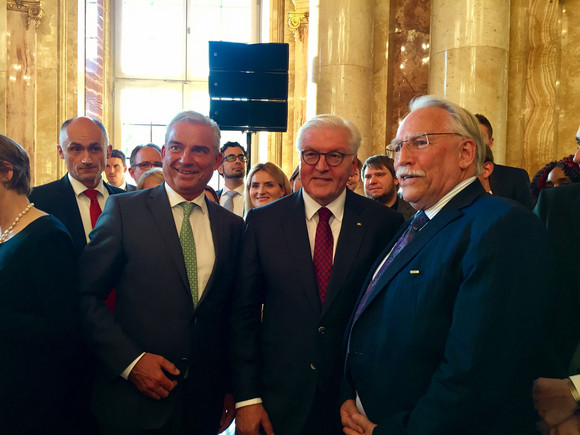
(415, 272)
(359, 224)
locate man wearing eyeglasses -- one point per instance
(304, 258)
(143, 158)
(458, 314)
(233, 169)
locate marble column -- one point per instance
(3, 65)
(470, 59)
(340, 48)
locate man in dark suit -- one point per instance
(456, 315)
(557, 400)
(115, 170)
(506, 181)
(169, 253)
(233, 170)
(304, 258)
(84, 147)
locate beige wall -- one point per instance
(536, 117)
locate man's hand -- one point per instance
(228, 413)
(147, 375)
(553, 400)
(353, 421)
(250, 418)
(569, 427)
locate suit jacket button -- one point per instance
(313, 366)
(322, 330)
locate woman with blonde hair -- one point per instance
(153, 177)
(265, 183)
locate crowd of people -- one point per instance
(413, 293)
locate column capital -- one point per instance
(296, 19)
(32, 9)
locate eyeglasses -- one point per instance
(417, 142)
(148, 165)
(232, 158)
(333, 159)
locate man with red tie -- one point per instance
(304, 259)
(78, 198)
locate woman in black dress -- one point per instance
(39, 325)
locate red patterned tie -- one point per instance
(323, 245)
(95, 211)
(95, 207)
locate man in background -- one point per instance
(143, 158)
(233, 170)
(115, 170)
(506, 181)
(78, 198)
(380, 184)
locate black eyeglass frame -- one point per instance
(314, 163)
(148, 165)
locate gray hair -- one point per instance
(197, 119)
(63, 135)
(461, 121)
(331, 121)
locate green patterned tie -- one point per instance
(188, 247)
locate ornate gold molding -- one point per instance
(296, 19)
(33, 10)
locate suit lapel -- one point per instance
(448, 214)
(296, 235)
(70, 209)
(158, 204)
(349, 240)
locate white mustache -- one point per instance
(405, 171)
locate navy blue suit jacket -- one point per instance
(459, 325)
(513, 183)
(296, 352)
(135, 249)
(58, 199)
(559, 209)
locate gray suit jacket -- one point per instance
(135, 249)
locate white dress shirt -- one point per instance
(199, 220)
(238, 199)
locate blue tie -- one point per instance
(417, 223)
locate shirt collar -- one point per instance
(239, 189)
(176, 199)
(432, 211)
(79, 187)
(336, 207)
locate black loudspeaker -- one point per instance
(248, 86)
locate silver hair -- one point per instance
(461, 121)
(63, 135)
(197, 119)
(331, 121)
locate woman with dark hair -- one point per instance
(554, 174)
(39, 327)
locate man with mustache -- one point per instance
(457, 315)
(84, 147)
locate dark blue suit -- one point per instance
(459, 325)
(513, 183)
(293, 359)
(58, 199)
(135, 248)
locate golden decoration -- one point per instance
(32, 9)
